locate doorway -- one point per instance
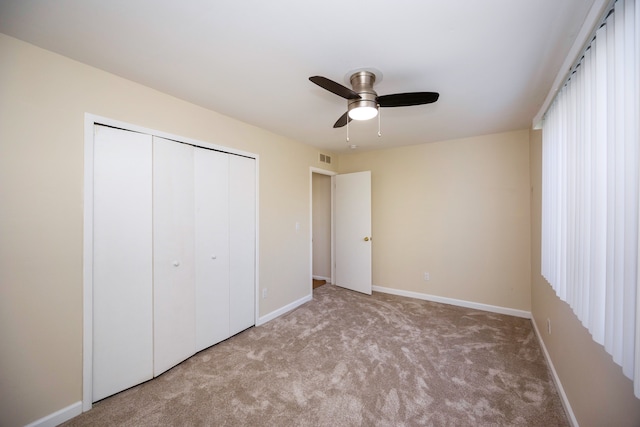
(321, 227)
(340, 217)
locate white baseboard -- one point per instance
(279, 312)
(556, 379)
(328, 279)
(58, 417)
(458, 302)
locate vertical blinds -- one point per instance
(590, 189)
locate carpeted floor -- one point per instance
(347, 359)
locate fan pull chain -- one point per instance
(347, 128)
(379, 133)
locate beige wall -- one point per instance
(599, 394)
(321, 190)
(458, 210)
(43, 99)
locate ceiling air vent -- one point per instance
(325, 159)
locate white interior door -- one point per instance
(122, 261)
(211, 246)
(173, 247)
(353, 231)
(242, 243)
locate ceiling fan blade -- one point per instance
(407, 99)
(334, 87)
(342, 121)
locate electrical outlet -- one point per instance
(264, 293)
(426, 277)
(549, 326)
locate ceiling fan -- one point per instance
(363, 101)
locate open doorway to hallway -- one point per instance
(321, 217)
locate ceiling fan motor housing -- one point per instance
(362, 83)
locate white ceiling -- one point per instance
(492, 61)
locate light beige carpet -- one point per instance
(346, 359)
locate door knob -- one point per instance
(366, 239)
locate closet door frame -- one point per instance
(90, 121)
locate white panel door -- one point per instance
(353, 231)
(173, 248)
(122, 261)
(211, 246)
(242, 229)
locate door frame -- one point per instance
(90, 120)
(332, 174)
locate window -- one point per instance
(590, 188)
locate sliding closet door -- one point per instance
(173, 248)
(122, 261)
(242, 232)
(212, 246)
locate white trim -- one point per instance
(58, 417)
(257, 242)
(282, 310)
(94, 119)
(457, 302)
(556, 379)
(90, 120)
(581, 41)
(87, 267)
(328, 279)
(333, 229)
(313, 170)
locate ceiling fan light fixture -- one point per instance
(363, 113)
(366, 107)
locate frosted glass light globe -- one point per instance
(363, 113)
